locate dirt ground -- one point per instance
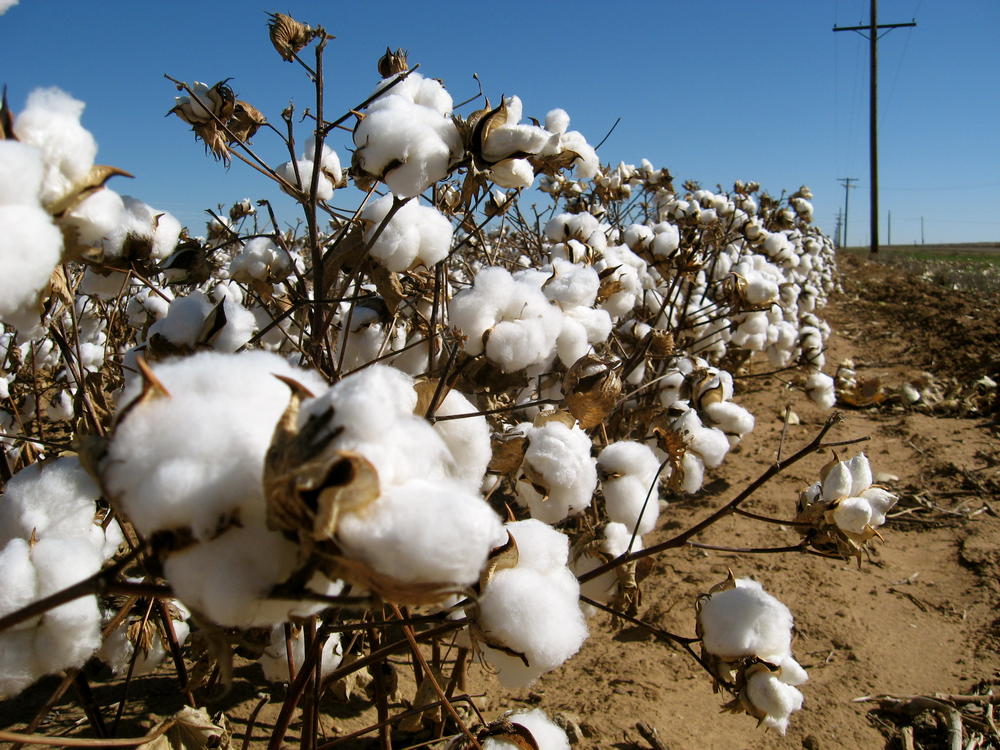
(920, 616)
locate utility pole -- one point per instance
(889, 227)
(836, 229)
(847, 182)
(921, 230)
(873, 36)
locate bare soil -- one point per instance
(919, 616)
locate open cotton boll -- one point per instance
(159, 228)
(117, 649)
(423, 531)
(539, 546)
(197, 455)
(229, 578)
(735, 421)
(559, 457)
(819, 388)
(21, 171)
(50, 121)
(186, 317)
(274, 660)
(260, 259)
(852, 514)
(533, 614)
(468, 438)
(556, 121)
(880, 501)
(746, 621)
(774, 698)
(416, 234)
(630, 471)
(605, 586)
(547, 734)
(837, 482)
(861, 473)
(299, 175)
(513, 173)
(100, 221)
(30, 248)
(408, 145)
(55, 499)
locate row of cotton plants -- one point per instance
(425, 402)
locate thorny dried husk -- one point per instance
(592, 389)
(392, 63)
(288, 35)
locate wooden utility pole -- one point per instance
(847, 182)
(873, 36)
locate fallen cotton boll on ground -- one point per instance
(274, 660)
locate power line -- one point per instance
(873, 36)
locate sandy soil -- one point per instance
(920, 615)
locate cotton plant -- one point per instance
(845, 508)
(746, 639)
(51, 536)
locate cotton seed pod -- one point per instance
(288, 35)
(592, 388)
(392, 63)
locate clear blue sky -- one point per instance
(714, 91)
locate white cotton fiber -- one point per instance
(21, 172)
(559, 457)
(629, 475)
(30, 248)
(423, 531)
(468, 438)
(160, 228)
(746, 621)
(530, 613)
(416, 235)
(539, 546)
(228, 578)
(100, 221)
(406, 138)
(50, 121)
(775, 698)
(852, 514)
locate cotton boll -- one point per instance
(735, 421)
(559, 457)
(513, 173)
(880, 502)
(746, 621)
(837, 482)
(861, 474)
(50, 121)
(631, 469)
(229, 578)
(693, 470)
(525, 611)
(468, 438)
(20, 584)
(30, 248)
(556, 121)
(274, 660)
(416, 235)
(775, 699)
(604, 587)
(852, 514)
(819, 388)
(260, 259)
(99, 221)
(159, 228)
(547, 734)
(21, 171)
(196, 456)
(539, 546)
(423, 531)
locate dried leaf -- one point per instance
(191, 729)
(359, 573)
(864, 392)
(504, 730)
(387, 284)
(555, 416)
